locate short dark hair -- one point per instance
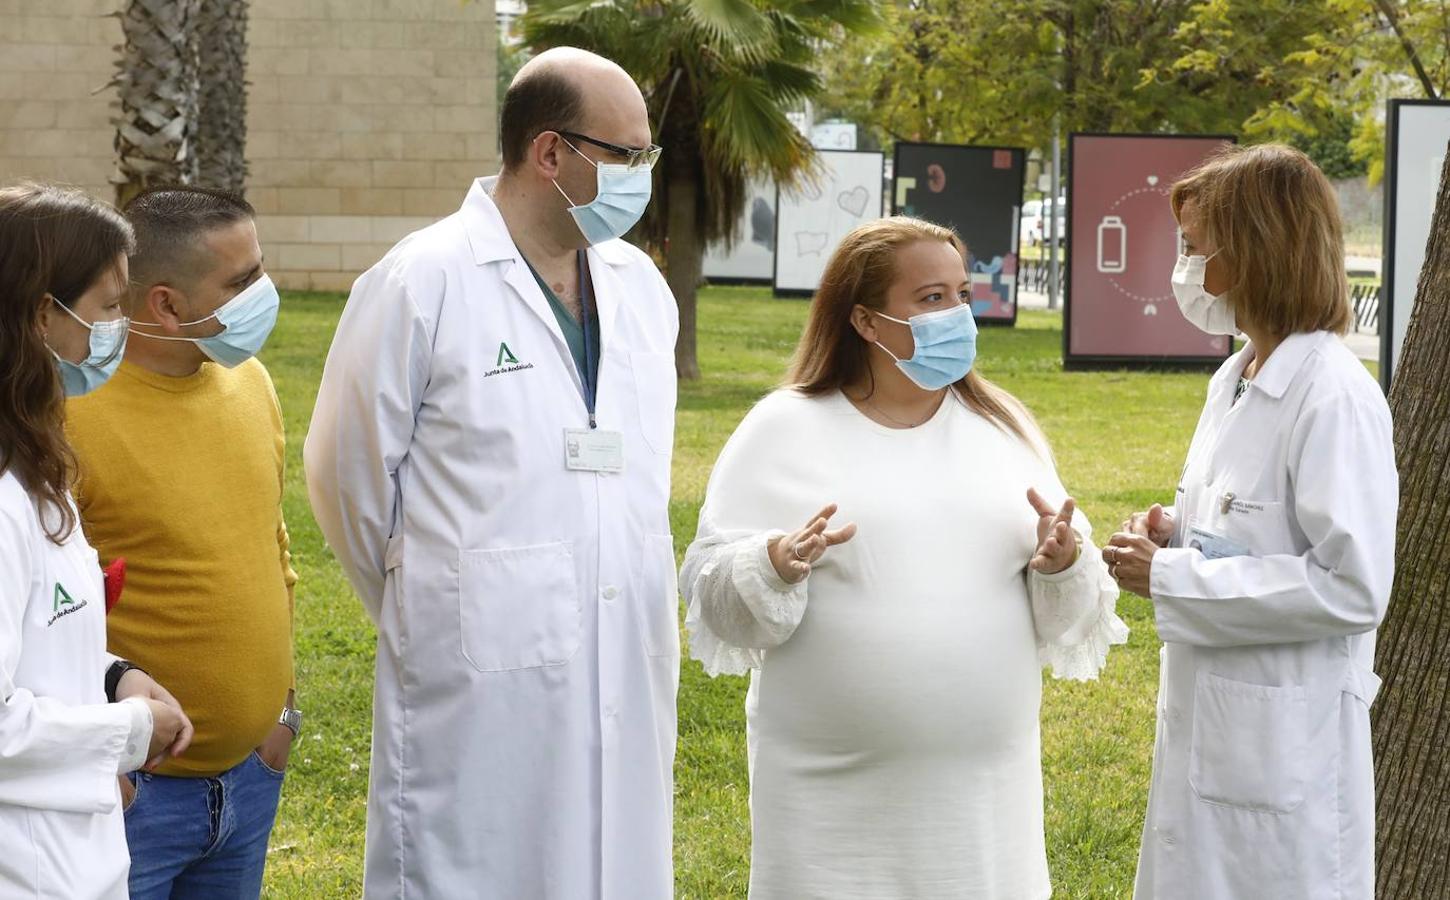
(169, 222)
(545, 100)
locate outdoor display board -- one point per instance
(752, 259)
(976, 191)
(812, 217)
(1122, 245)
(1417, 132)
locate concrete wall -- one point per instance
(53, 55)
(366, 118)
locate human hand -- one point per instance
(1057, 546)
(1130, 561)
(1155, 524)
(794, 554)
(171, 731)
(276, 749)
(136, 683)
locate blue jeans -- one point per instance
(202, 838)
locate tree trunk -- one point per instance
(1411, 717)
(221, 136)
(158, 80)
(684, 261)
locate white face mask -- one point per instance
(1209, 313)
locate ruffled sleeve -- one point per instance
(1076, 615)
(1075, 610)
(737, 604)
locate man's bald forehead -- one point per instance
(578, 66)
(567, 88)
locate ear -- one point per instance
(165, 306)
(545, 153)
(47, 309)
(864, 323)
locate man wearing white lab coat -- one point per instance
(489, 459)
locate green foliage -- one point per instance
(718, 77)
(1311, 72)
(1333, 150)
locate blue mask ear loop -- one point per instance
(567, 198)
(889, 319)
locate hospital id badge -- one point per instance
(593, 450)
(1213, 546)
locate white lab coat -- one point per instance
(1263, 784)
(528, 651)
(61, 744)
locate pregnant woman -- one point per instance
(896, 660)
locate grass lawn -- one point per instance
(1120, 439)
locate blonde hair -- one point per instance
(831, 354)
(1274, 219)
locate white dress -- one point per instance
(893, 707)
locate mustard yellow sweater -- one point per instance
(183, 478)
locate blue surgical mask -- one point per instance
(247, 320)
(946, 346)
(623, 195)
(106, 347)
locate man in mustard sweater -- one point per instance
(181, 458)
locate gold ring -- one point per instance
(797, 551)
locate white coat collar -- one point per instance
(1285, 362)
(489, 237)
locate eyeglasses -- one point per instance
(634, 159)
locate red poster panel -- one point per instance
(1122, 244)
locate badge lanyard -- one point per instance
(590, 375)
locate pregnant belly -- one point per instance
(954, 673)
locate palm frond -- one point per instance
(735, 26)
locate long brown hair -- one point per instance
(53, 243)
(832, 355)
(1274, 218)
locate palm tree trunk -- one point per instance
(1412, 719)
(684, 261)
(158, 80)
(221, 138)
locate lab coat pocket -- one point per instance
(655, 387)
(519, 608)
(1250, 744)
(659, 596)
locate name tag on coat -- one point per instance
(1213, 546)
(593, 450)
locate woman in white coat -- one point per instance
(896, 683)
(62, 744)
(1271, 572)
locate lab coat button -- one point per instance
(610, 593)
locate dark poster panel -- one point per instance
(1122, 245)
(978, 192)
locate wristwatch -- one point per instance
(114, 674)
(292, 718)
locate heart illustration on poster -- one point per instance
(854, 201)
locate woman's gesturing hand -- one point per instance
(1056, 542)
(794, 554)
